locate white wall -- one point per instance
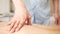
(4, 6)
(4, 9)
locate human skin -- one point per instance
(32, 29)
(21, 16)
(56, 11)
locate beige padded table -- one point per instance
(33, 29)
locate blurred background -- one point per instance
(7, 9)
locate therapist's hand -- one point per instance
(58, 20)
(18, 21)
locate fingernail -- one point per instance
(12, 31)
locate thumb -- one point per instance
(29, 20)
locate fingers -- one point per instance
(22, 22)
(19, 27)
(9, 23)
(58, 21)
(29, 20)
(12, 30)
(16, 24)
(14, 27)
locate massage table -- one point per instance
(31, 29)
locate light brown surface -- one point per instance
(33, 29)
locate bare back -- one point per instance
(32, 29)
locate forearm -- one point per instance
(56, 8)
(19, 6)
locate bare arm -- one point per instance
(19, 6)
(20, 17)
(55, 5)
(56, 2)
(56, 11)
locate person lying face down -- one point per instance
(31, 29)
(38, 14)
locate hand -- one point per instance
(58, 20)
(18, 21)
